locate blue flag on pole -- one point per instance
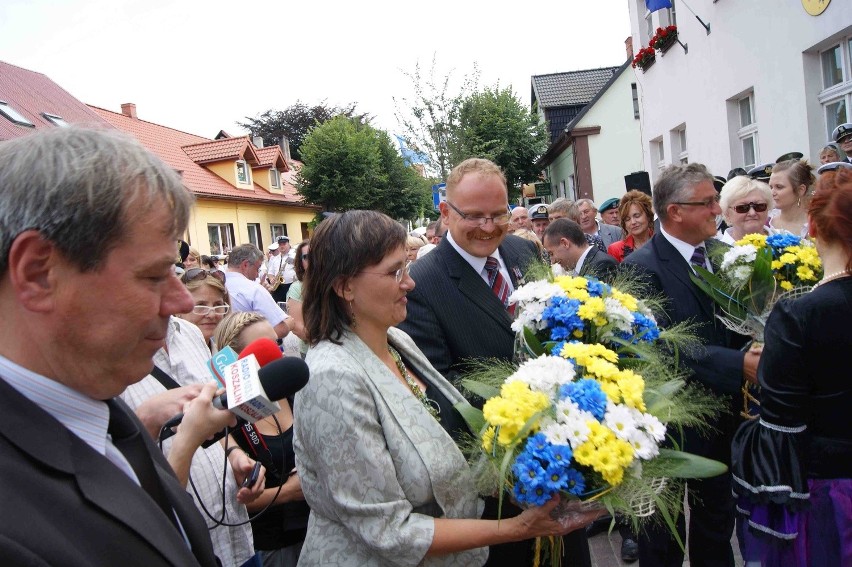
(654, 5)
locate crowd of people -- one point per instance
(106, 340)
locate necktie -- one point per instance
(699, 257)
(127, 438)
(596, 241)
(496, 281)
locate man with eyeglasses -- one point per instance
(687, 204)
(459, 309)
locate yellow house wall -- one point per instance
(227, 170)
(240, 215)
(261, 177)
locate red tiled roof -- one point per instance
(271, 156)
(169, 145)
(221, 150)
(32, 93)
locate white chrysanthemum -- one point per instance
(618, 315)
(558, 433)
(644, 446)
(575, 421)
(739, 255)
(530, 315)
(544, 374)
(540, 290)
(740, 274)
(620, 420)
(653, 426)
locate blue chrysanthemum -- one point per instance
(562, 312)
(646, 328)
(587, 394)
(559, 333)
(557, 349)
(538, 446)
(574, 482)
(595, 287)
(782, 240)
(555, 477)
(527, 470)
(560, 454)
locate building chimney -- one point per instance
(284, 143)
(257, 141)
(129, 109)
(628, 46)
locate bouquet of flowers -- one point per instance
(585, 413)
(754, 274)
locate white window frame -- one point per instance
(276, 230)
(658, 153)
(237, 165)
(15, 117)
(841, 92)
(634, 93)
(747, 131)
(274, 178)
(55, 120)
(223, 238)
(254, 235)
(671, 15)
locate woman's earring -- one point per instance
(352, 313)
(799, 202)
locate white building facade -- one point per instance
(769, 78)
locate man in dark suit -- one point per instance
(459, 309)
(565, 242)
(89, 223)
(687, 205)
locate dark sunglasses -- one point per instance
(196, 274)
(758, 207)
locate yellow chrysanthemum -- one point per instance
(632, 388)
(511, 410)
(612, 391)
(785, 285)
(592, 308)
(601, 369)
(598, 434)
(756, 240)
(628, 301)
(805, 273)
(787, 258)
(488, 439)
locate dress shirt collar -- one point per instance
(582, 259)
(85, 417)
(685, 249)
(477, 263)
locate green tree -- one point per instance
(294, 123)
(429, 119)
(351, 165)
(493, 124)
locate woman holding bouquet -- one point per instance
(373, 427)
(793, 467)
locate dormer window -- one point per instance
(13, 115)
(243, 173)
(274, 179)
(56, 120)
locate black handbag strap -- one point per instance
(167, 381)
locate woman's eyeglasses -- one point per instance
(196, 274)
(398, 275)
(743, 209)
(205, 310)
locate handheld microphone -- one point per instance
(264, 350)
(278, 380)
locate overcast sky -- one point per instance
(201, 66)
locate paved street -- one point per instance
(606, 551)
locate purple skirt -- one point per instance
(819, 536)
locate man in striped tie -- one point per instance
(460, 310)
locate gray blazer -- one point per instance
(375, 467)
(609, 234)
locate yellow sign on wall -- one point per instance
(815, 7)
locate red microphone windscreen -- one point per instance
(264, 350)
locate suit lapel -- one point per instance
(104, 485)
(677, 267)
(473, 287)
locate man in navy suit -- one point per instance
(457, 311)
(89, 222)
(687, 205)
